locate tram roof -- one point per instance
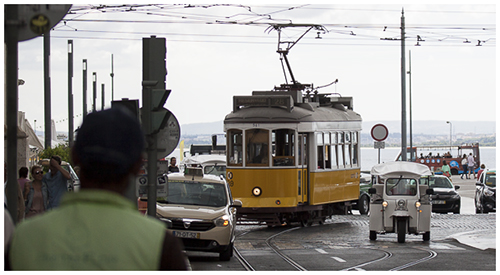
(304, 113)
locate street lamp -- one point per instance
(450, 131)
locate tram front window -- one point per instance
(257, 147)
(235, 147)
(283, 150)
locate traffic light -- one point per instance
(154, 67)
(131, 105)
(154, 94)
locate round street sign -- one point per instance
(168, 137)
(379, 132)
(37, 19)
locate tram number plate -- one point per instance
(188, 235)
(438, 202)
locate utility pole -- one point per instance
(403, 89)
(411, 119)
(112, 74)
(11, 106)
(94, 86)
(102, 96)
(70, 92)
(84, 88)
(46, 74)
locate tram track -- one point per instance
(432, 254)
(269, 242)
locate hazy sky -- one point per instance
(217, 51)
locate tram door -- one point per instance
(303, 177)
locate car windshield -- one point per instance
(436, 182)
(491, 179)
(401, 186)
(195, 193)
(215, 170)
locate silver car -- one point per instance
(200, 210)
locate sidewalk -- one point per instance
(480, 239)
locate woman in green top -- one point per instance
(446, 169)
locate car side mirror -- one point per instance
(478, 183)
(237, 203)
(372, 191)
(457, 187)
(429, 191)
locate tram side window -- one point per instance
(257, 147)
(340, 151)
(334, 149)
(355, 149)
(283, 151)
(347, 147)
(328, 154)
(235, 147)
(320, 152)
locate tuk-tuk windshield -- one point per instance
(401, 187)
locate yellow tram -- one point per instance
(292, 154)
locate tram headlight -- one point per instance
(385, 204)
(256, 191)
(417, 204)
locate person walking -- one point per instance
(446, 169)
(37, 198)
(23, 177)
(464, 167)
(56, 181)
(98, 228)
(470, 165)
(481, 170)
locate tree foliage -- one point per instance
(61, 150)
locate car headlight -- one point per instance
(489, 193)
(455, 197)
(222, 221)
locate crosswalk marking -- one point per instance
(321, 251)
(340, 260)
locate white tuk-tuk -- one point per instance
(399, 204)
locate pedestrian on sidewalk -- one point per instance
(446, 169)
(98, 228)
(471, 163)
(464, 167)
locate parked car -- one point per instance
(73, 183)
(446, 198)
(486, 186)
(200, 210)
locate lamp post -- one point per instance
(450, 132)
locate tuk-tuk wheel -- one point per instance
(427, 236)
(401, 230)
(373, 235)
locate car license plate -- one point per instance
(188, 235)
(438, 202)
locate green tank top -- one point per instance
(91, 230)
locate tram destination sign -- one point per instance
(263, 101)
